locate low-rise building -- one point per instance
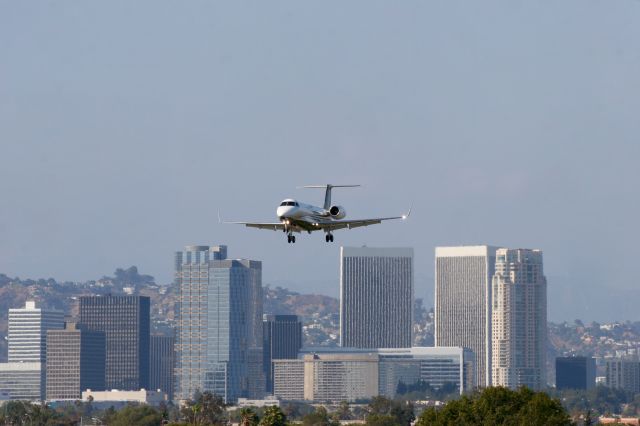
(347, 374)
(116, 397)
(23, 381)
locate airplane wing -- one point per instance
(354, 223)
(274, 226)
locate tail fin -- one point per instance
(327, 194)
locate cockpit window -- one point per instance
(284, 203)
(290, 203)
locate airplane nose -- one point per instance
(283, 211)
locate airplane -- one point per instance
(295, 216)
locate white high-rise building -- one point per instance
(519, 326)
(376, 297)
(463, 302)
(28, 332)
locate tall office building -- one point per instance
(376, 297)
(162, 362)
(282, 339)
(28, 332)
(125, 320)
(519, 326)
(463, 302)
(75, 362)
(219, 335)
(575, 372)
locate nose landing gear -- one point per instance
(291, 238)
(328, 237)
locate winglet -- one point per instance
(219, 218)
(406, 216)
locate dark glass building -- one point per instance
(162, 362)
(576, 372)
(282, 339)
(125, 320)
(75, 362)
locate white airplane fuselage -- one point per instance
(300, 216)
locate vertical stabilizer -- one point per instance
(327, 194)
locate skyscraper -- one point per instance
(519, 326)
(28, 332)
(282, 339)
(162, 362)
(125, 320)
(463, 302)
(376, 297)
(75, 362)
(219, 336)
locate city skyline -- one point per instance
(484, 116)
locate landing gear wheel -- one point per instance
(293, 238)
(326, 238)
(289, 239)
(331, 237)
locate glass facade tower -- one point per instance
(219, 339)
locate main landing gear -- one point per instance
(291, 238)
(328, 237)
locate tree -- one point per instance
(273, 416)
(206, 409)
(381, 420)
(320, 417)
(499, 406)
(400, 411)
(248, 417)
(139, 415)
(344, 411)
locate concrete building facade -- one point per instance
(376, 297)
(519, 319)
(28, 332)
(463, 302)
(623, 373)
(349, 374)
(23, 381)
(75, 362)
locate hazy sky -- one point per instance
(126, 126)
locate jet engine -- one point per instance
(337, 212)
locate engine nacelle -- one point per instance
(337, 212)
